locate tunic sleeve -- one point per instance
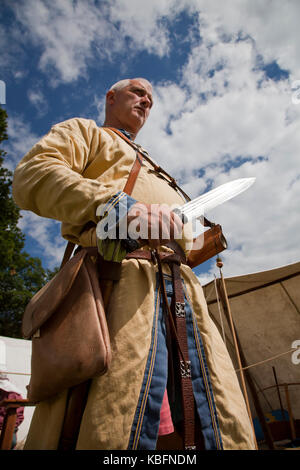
(49, 181)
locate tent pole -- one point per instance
(241, 359)
(279, 396)
(291, 418)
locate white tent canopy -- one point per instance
(265, 308)
(15, 361)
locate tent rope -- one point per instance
(269, 359)
(15, 373)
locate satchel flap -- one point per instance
(47, 299)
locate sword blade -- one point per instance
(204, 203)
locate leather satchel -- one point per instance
(67, 324)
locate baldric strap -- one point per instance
(133, 174)
(158, 170)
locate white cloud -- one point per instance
(99, 104)
(38, 100)
(146, 23)
(73, 35)
(20, 74)
(66, 33)
(20, 140)
(272, 24)
(46, 234)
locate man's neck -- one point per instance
(110, 123)
(126, 133)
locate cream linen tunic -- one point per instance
(71, 171)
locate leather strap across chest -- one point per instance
(158, 170)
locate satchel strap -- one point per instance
(67, 254)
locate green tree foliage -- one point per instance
(20, 274)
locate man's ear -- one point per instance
(110, 96)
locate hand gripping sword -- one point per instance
(116, 250)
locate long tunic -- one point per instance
(71, 171)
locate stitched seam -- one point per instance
(209, 394)
(115, 202)
(148, 383)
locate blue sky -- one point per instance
(226, 80)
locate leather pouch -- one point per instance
(205, 248)
(67, 325)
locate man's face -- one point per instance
(131, 105)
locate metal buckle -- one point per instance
(179, 309)
(185, 369)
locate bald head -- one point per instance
(128, 104)
(123, 83)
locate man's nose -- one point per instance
(145, 101)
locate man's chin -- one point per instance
(136, 125)
(140, 114)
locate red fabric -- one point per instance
(20, 411)
(166, 423)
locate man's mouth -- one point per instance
(140, 109)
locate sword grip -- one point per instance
(180, 214)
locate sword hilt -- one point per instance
(181, 215)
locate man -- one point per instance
(142, 402)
